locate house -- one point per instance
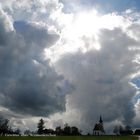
(99, 128)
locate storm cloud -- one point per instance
(28, 84)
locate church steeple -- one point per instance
(101, 121)
(99, 127)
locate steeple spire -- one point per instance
(101, 121)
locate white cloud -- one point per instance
(101, 77)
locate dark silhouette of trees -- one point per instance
(17, 131)
(128, 130)
(49, 131)
(75, 131)
(67, 130)
(116, 130)
(4, 126)
(42, 130)
(120, 130)
(41, 126)
(137, 132)
(59, 131)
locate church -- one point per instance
(99, 128)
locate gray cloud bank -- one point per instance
(28, 84)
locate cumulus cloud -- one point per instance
(38, 10)
(29, 84)
(103, 78)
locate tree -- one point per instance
(121, 130)
(137, 132)
(116, 130)
(4, 126)
(74, 131)
(58, 130)
(67, 129)
(17, 131)
(128, 130)
(40, 126)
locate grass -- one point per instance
(70, 138)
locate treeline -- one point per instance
(6, 129)
(123, 130)
(66, 131)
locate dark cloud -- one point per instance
(28, 84)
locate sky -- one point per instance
(70, 61)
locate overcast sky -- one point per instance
(70, 61)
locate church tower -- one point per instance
(101, 121)
(99, 128)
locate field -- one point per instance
(71, 138)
